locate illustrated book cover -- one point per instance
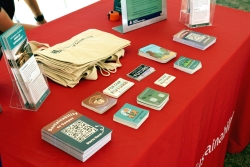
(141, 72)
(131, 115)
(76, 134)
(157, 53)
(153, 98)
(117, 88)
(187, 65)
(194, 39)
(99, 102)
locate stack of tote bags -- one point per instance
(80, 57)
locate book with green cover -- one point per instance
(131, 115)
(99, 102)
(187, 64)
(153, 98)
(76, 134)
(195, 39)
(157, 53)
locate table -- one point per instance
(207, 112)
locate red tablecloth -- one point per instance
(207, 113)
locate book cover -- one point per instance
(187, 65)
(131, 115)
(141, 72)
(77, 131)
(29, 79)
(99, 102)
(117, 88)
(152, 97)
(194, 39)
(157, 53)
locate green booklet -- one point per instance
(153, 98)
(157, 53)
(195, 39)
(187, 65)
(131, 116)
(76, 134)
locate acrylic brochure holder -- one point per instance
(28, 95)
(197, 13)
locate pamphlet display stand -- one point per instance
(196, 13)
(17, 98)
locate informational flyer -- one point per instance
(199, 12)
(141, 10)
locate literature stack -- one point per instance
(131, 116)
(157, 53)
(141, 72)
(187, 65)
(153, 98)
(117, 88)
(31, 85)
(77, 135)
(194, 39)
(99, 102)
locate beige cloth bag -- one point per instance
(80, 57)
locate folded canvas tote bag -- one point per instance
(81, 56)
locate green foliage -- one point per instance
(238, 160)
(237, 4)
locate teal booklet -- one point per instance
(77, 135)
(194, 39)
(131, 116)
(153, 98)
(187, 65)
(157, 53)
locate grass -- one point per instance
(237, 4)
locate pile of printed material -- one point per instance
(68, 62)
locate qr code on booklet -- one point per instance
(79, 130)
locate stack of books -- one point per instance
(99, 102)
(187, 65)
(153, 98)
(142, 71)
(131, 116)
(24, 70)
(157, 53)
(194, 39)
(117, 88)
(77, 135)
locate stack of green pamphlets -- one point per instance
(187, 65)
(131, 116)
(153, 98)
(77, 135)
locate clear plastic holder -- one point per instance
(25, 96)
(196, 13)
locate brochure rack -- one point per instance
(195, 13)
(17, 98)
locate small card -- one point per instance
(131, 116)
(141, 72)
(117, 88)
(164, 80)
(99, 102)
